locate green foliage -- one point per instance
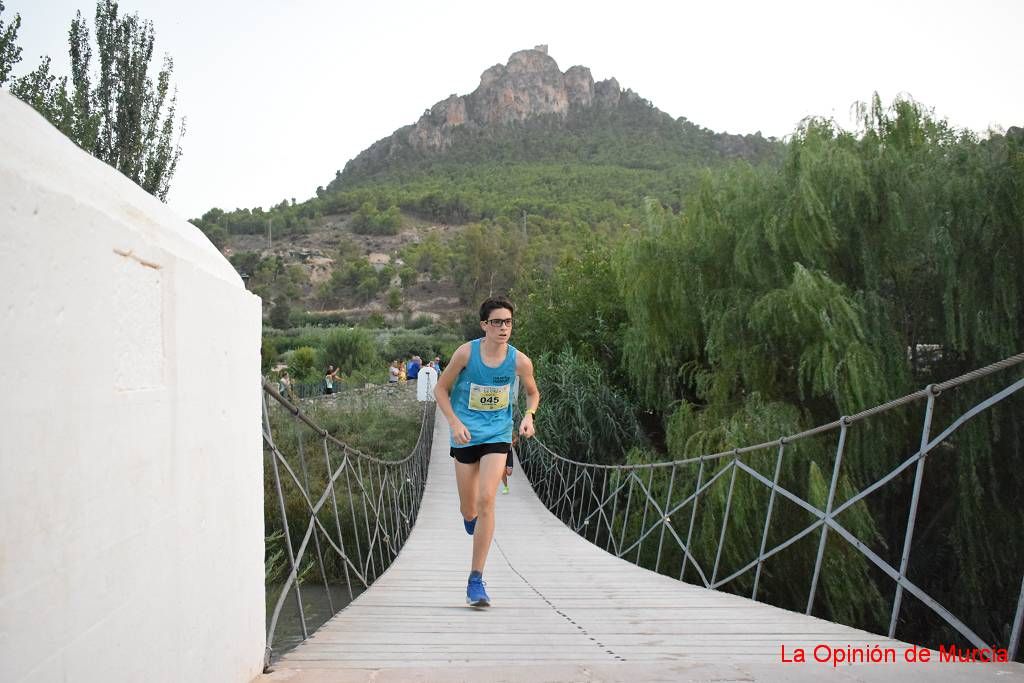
(403, 345)
(302, 365)
(320, 319)
(48, 95)
(407, 275)
(431, 256)
(268, 354)
(350, 349)
(280, 314)
(353, 280)
(579, 306)
(119, 114)
(394, 299)
(583, 416)
(217, 235)
(369, 221)
(422, 322)
(10, 53)
(246, 262)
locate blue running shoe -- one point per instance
(476, 596)
(470, 526)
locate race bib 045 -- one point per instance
(488, 398)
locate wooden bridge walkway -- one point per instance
(564, 610)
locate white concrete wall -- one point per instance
(131, 473)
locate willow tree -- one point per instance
(113, 108)
(780, 298)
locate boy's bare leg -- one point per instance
(491, 467)
(466, 478)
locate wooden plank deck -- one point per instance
(564, 610)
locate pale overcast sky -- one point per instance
(280, 94)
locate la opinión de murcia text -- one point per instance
(836, 655)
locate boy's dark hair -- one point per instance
(494, 303)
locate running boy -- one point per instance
(475, 395)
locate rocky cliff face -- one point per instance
(530, 85)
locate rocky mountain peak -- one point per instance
(531, 93)
(529, 85)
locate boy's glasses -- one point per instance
(500, 322)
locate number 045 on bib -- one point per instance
(488, 398)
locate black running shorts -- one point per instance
(471, 454)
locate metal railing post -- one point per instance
(615, 508)
(600, 505)
(366, 491)
(768, 518)
(665, 520)
(1017, 619)
(625, 516)
(693, 516)
(316, 532)
(647, 503)
(912, 516)
(725, 521)
(337, 518)
(828, 512)
(347, 464)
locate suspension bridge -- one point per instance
(569, 602)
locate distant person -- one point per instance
(436, 364)
(330, 377)
(507, 473)
(393, 372)
(402, 378)
(475, 395)
(413, 370)
(284, 385)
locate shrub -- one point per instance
(319, 318)
(280, 314)
(582, 412)
(350, 349)
(394, 299)
(404, 344)
(421, 321)
(268, 354)
(301, 365)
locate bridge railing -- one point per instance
(666, 510)
(343, 515)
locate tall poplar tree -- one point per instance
(112, 108)
(10, 53)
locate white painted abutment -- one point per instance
(131, 494)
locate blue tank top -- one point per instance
(482, 398)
